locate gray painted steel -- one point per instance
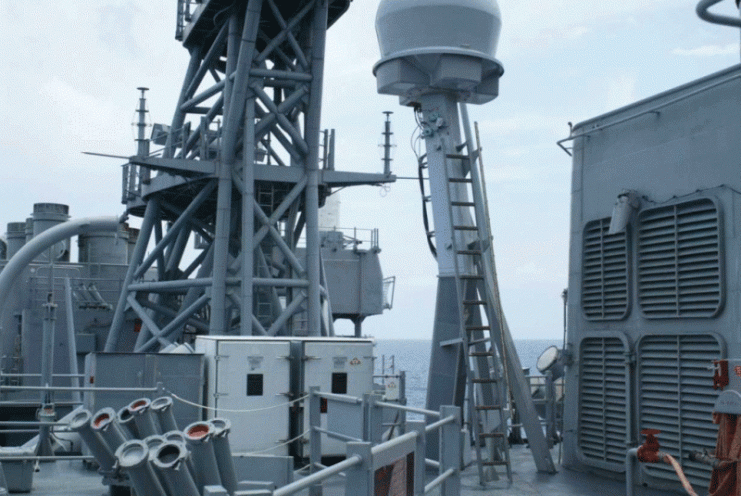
(652, 305)
(249, 189)
(435, 55)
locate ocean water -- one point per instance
(413, 357)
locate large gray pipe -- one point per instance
(42, 242)
(223, 452)
(169, 460)
(153, 443)
(706, 15)
(178, 437)
(80, 423)
(126, 420)
(104, 423)
(198, 437)
(162, 408)
(133, 458)
(143, 417)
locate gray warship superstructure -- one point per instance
(205, 339)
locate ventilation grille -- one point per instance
(602, 408)
(679, 263)
(604, 272)
(676, 396)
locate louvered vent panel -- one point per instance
(602, 393)
(676, 396)
(604, 272)
(679, 261)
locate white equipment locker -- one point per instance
(249, 373)
(340, 366)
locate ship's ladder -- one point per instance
(487, 378)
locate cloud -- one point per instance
(620, 91)
(707, 50)
(116, 29)
(518, 123)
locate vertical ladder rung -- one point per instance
(468, 252)
(462, 204)
(474, 302)
(459, 180)
(466, 228)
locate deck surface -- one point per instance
(71, 478)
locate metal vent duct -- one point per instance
(676, 396)
(679, 261)
(603, 408)
(604, 272)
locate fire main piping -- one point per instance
(649, 452)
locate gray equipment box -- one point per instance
(339, 366)
(249, 383)
(18, 473)
(179, 373)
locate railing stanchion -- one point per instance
(373, 418)
(450, 451)
(550, 409)
(360, 478)
(420, 449)
(315, 437)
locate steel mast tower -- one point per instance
(438, 55)
(243, 172)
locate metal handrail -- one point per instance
(439, 480)
(439, 423)
(86, 389)
(391, 448)
(320, 476)
(340, 397)
(410, 409)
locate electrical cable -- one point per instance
(414, 142)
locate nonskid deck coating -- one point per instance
(72, 478)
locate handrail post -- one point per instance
(450, 451)
(403, 400)
(373, 418)
(315, 437)
(550, 408)
(360, 479)
(420, 449)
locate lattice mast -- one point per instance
(239, 172)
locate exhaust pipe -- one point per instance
(223, 452)
(143, 418)
(104, 423)
(80, 423)
(162, 408)
(169, 461)
(198, 436)
(133, 458)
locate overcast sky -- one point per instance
(71, 70)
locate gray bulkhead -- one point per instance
(651, 306)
